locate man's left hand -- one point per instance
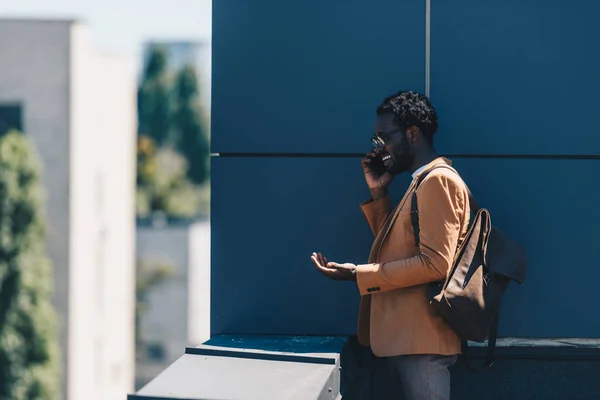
(333, 270)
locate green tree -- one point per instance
(190, 134)
(149, 276)
(154, 103)
(28, 346)
(162, 184)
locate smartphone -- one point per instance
(377, 165)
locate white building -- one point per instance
(178, 308)
(80, 109)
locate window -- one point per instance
(10, 118)
(156, 352)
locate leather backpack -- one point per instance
(486, 261)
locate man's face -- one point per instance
(397, 146)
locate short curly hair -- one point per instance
(411, 109)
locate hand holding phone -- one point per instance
(376, 163)
(376, 174)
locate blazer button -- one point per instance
(369, 290)
(377, 289)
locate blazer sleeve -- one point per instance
(442, 202)
(376, 212)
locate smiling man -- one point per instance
(396, 319)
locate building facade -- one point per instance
(517, 91)
(177, 309)
(79, 107)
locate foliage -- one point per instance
(173, 148)
(28, 346)
(192, 140)
(154, 104)
(162, 184)
(149, 275)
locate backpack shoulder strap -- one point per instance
(414, 216)
(414, 207)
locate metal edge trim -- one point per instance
(203, 351)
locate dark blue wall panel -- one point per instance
(269, 214)
(306, 76)
(518, 77)
(551, 206)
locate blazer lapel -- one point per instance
(374, 255)
(385, 230)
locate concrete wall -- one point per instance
(199, 284)
(116, 129)
(103, 121)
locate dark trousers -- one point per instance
(415, 377)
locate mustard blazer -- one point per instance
(395, 315)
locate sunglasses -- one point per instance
(378, 141)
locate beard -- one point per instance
(402, 158)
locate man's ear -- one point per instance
(413, 134)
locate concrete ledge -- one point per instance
(327, 368)
(548, 353)
(529, 379)
(261, 355)
(251, 368)
(544, 369)
(543, 342)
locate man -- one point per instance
(396, 318)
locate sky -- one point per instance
(121, 26)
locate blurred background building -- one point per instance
(120, 122)
(78, 106)
(176, 310)
(173, 243)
